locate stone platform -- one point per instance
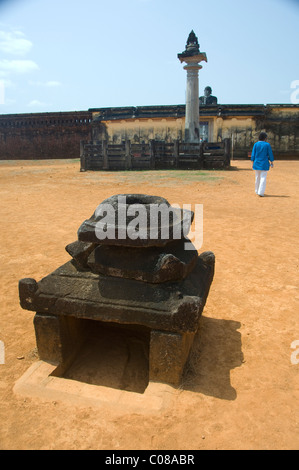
(158, 291)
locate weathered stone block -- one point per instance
(48, 338)
(153, 265)
(170, 223)
(168, 355)
(80, 251)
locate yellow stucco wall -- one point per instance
(138, 130)
(173, 128)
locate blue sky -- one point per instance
(71, 55)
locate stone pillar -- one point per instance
(192, 57)
(82, 156)
(192, 103)
(58, 339)
(48, 338)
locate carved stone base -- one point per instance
(148, 284)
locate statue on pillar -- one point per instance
(208, 98)
(192, 49)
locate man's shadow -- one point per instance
(235, 168)
(216, 351)
(274, 195)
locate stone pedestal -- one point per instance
(153, 285)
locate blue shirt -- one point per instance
(261, 154)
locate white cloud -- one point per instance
(36, 103)
(53, 83)
(14, 43)
(17, 66)
(50, 83)
(7, 82)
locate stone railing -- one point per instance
(102, 155)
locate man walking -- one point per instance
(261, 155)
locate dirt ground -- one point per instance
(241, 388)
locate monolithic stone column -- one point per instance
(192, 103)
(192, 57)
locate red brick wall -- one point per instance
(43, 135)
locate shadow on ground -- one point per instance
(235, 168)
(274, 195)
(216, 351)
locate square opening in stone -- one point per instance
(111, 355)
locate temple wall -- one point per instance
(138, 130)
(242, 131)
(282, 124)
(58, 135)
(43, 135)
(241, 123)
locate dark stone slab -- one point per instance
(167, 306)
(173, 225)
(153, 264)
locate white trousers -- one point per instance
(260, 182)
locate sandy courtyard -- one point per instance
(240, 390)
